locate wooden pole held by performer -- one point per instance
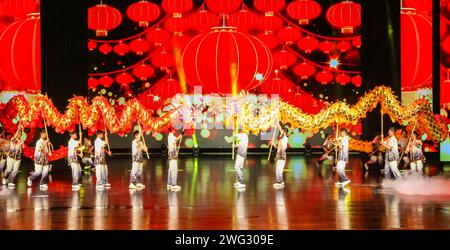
(143, 140)
(273, 138)
(50, 146)
(409, 142)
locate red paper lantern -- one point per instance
(357, 42)
(143, 12)
(304, 10)
(324, 77)
(92, 83)
(166, 89)
(223, 6)
(284, 59)
(139, 46)
(243, 20)
(103, 18)
(424, 6)
(163, 60)
(203, 20)
(416, 51)
(157, 36)
(143, 72)
(92, 45)
(289, 34)
(121, 49)
(446, 45)
(345, 15)
(357, 81)
(20, 54)
(177, 44)
(18, 9)
(304, 70)
(269, 6)
(106, 81)
(277, 86)
(226, 61)
(270, 23)
(270, 40)
(343, 46)
(326, 47)
(343, 79)
(176, 24)
(105, 48)
(308, 44)
(177, 7)
(124, 78)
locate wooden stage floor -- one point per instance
(208, 200)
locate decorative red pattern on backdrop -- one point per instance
(20, 50)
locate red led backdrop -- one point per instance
(20, 46)
(445, 71)
(307, 51)
(313, 44)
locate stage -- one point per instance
(208, 200)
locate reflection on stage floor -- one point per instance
(208, 200)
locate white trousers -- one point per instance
(173, 172)
(279, 167)
(391, 169)
(417, 167)
(76, 172)
(101, 173)
(136, 172)
(239, 168)
(12, 167)
(340, 169)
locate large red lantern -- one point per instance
(158, 36)
(177, 7)
(277, 86)
(226, 61)
(269, 6)
(343, 46)
(425, 6)
(345, 15)
(143, 71)
(357, 81)
(92, 83)
(163, 59)
(270, 23)
(284, 59)
(243, 20)
(18, 9)
(103, 18)
(143, 12)
(289, 34)
(304, 10)
(416, 51)
(308, 44)
(203, 20)
(304, 70)
(223, 6)
(324, 77)
(20, 54)
(139, 46)
(91, 45)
